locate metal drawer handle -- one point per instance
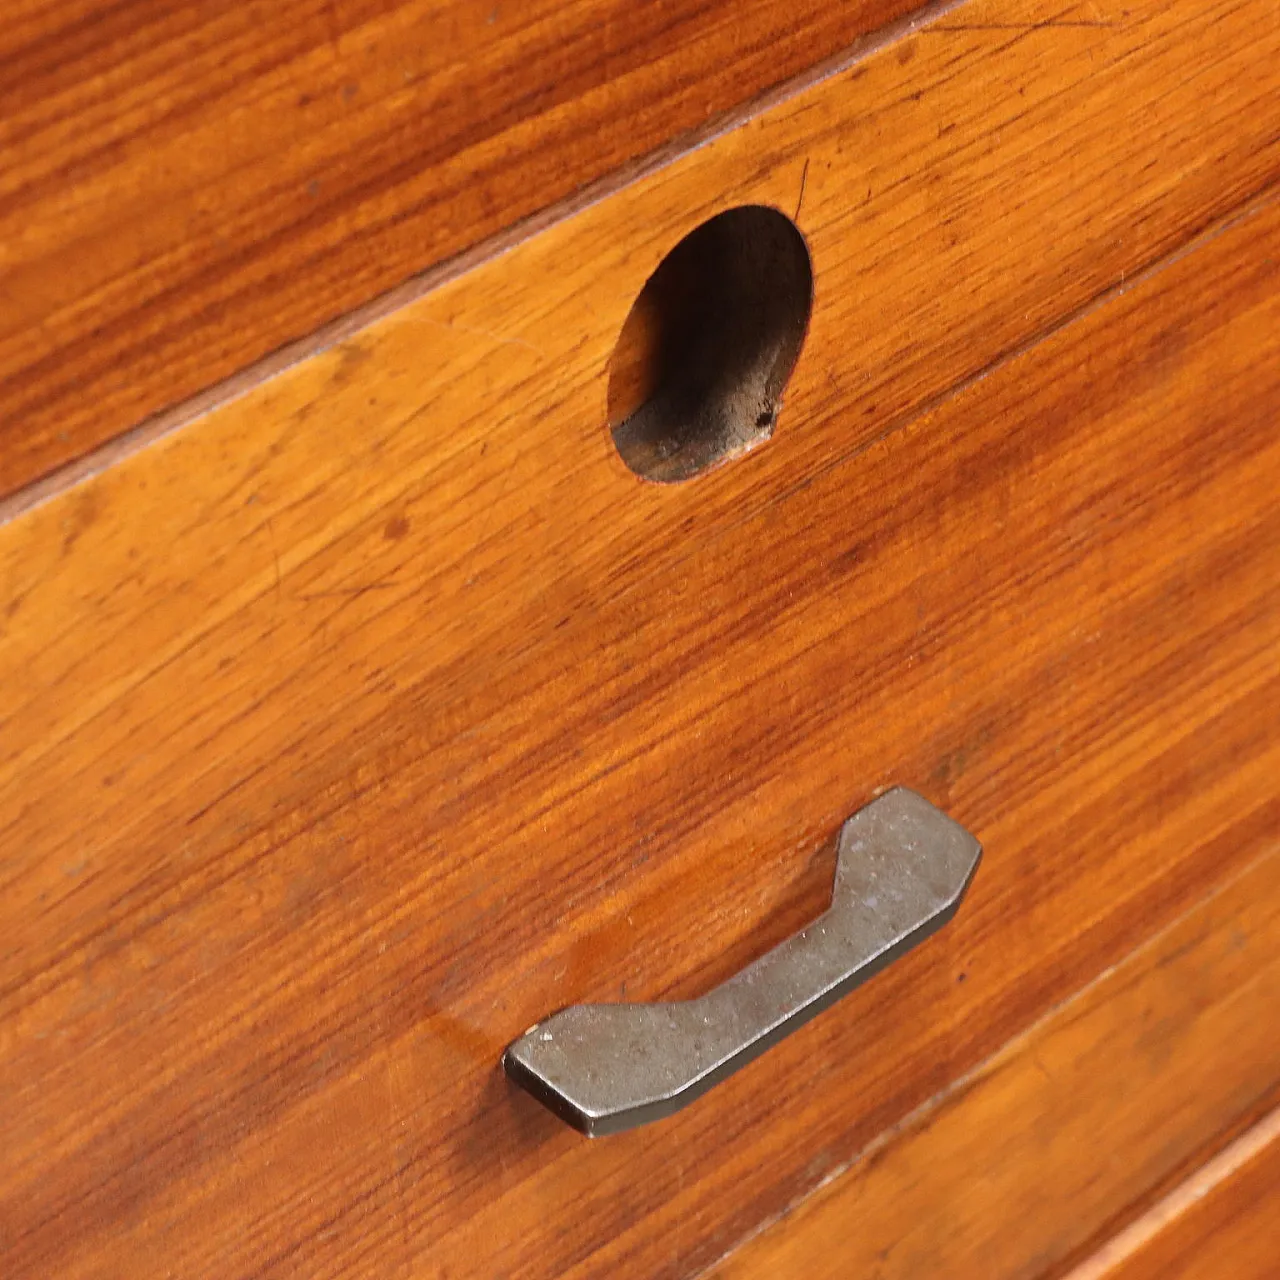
(902, 869)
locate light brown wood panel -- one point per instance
(1013, 1167)
(1219, 1224)
(186, 187)
(382, 710)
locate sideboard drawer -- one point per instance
(360, 722)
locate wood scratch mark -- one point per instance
(275, 553)
(804, 178)
(491, 518)
(483, 333)
(351, 593)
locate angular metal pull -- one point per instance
(902, 869)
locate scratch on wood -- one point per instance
(804, 178)
(483, 333)
(275, 554)
(350, 593)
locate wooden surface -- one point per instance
(1219, 1224)
(354, 727)
(186, 187)
(986, 98)
(1014, 1167)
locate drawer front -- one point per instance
(185, 191)
(378, 712)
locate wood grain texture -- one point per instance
(988, 98)
(1219, 1224)
(186, 187)
(1012, 1168)
(356, 726)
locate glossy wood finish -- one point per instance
(902, 164)
(1219, 1224)
(253, 1022)
(186, 187)
(382, 710)
(1013, 1168)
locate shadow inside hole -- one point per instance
(698, 372)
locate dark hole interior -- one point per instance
(699, 369)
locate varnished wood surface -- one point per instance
(268, 1045)
(1219, 1224)
(186, 187)
(910, 160)
(1013, 1168)
(356, 726)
